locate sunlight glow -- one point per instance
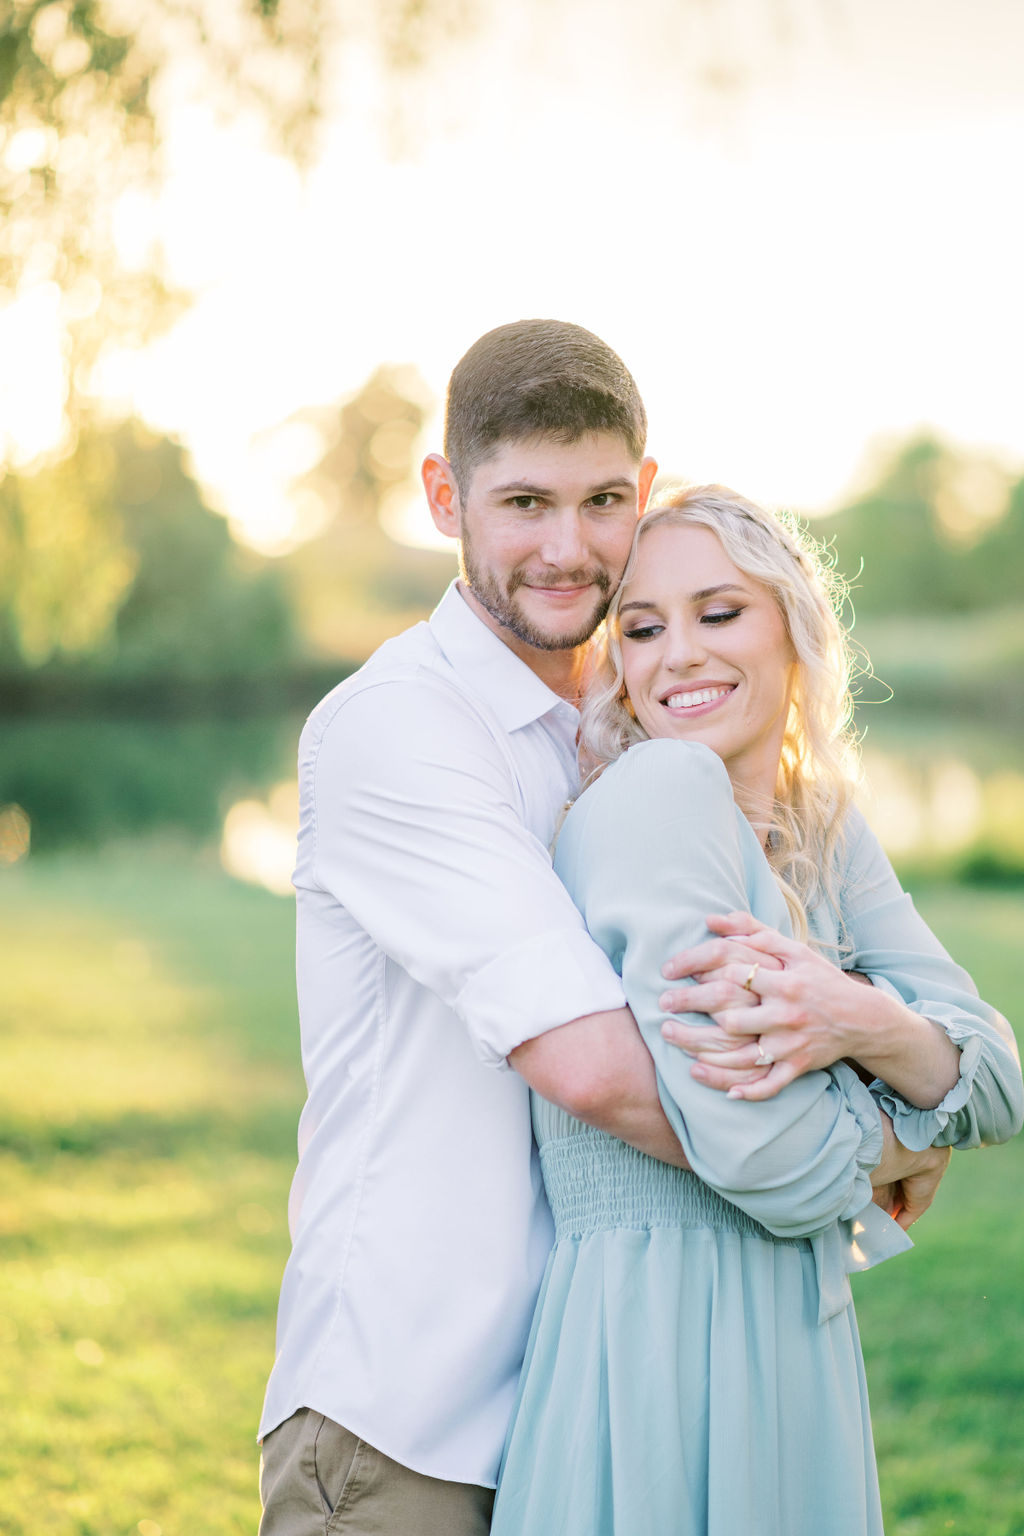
(789, 275)
(33, 376)
(258, 840)
(15, 834)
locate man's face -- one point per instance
(546, 528)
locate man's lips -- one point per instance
(559, 592)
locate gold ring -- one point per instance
(748, 985)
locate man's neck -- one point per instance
(562, 671)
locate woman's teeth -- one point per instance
(689, 700)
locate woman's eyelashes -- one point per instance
(652, 628)
(642, 631)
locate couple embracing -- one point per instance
(589, 1150)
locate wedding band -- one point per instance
(748, 985)
(763, 1058)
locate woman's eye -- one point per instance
(722, 617)
(642, 632)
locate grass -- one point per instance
(147, 1134)
(943, 1328)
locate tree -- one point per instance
(112, 565)
(353, 585)
(938, 532)
(81, 85)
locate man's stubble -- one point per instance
(499, 599)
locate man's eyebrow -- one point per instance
(527, 488)
(693, 597)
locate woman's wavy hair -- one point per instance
(819, 759)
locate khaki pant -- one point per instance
(317, 1479)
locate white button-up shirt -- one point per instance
(433, 937)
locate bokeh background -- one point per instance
(242, 243)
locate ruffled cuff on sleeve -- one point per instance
(865, 1110)
(918, 1128)
(866, 1235)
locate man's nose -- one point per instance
(564, 545)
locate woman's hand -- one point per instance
(780, 1008)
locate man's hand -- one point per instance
(907, 1198)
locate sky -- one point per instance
(798, 221)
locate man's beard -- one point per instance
(500, 602)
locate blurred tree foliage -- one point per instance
(938, 532)
(114, 570)
(112, 566)
(86, 87)
(934, 553)
(80, 92)
(354, 585)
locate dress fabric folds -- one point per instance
(694, 1366)
(677, 1379)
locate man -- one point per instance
(435, 945)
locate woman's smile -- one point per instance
(697, 699)
(706, 655)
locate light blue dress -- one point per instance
(694, 1367)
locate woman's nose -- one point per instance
(685, 647)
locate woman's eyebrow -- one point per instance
(692, 597)
(724, 586)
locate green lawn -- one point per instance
(147, 1124)
(147, 1121)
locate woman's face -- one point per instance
(705, 653)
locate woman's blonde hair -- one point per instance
(818, 765)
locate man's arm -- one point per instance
(599, 1069)
(415, 827)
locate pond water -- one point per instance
(936, 788)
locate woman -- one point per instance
(694, 1367)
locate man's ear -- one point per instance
(442, 495)
(648, 470)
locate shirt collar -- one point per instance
(515, 693)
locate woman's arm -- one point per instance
(945, 1063)
(646, 853)
(779, 999)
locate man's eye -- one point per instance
(604, 499)
(524, 503)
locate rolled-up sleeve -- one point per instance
(895, 947)
(411, 819)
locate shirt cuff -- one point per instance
(536, 986)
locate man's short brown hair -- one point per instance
(538, 377)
